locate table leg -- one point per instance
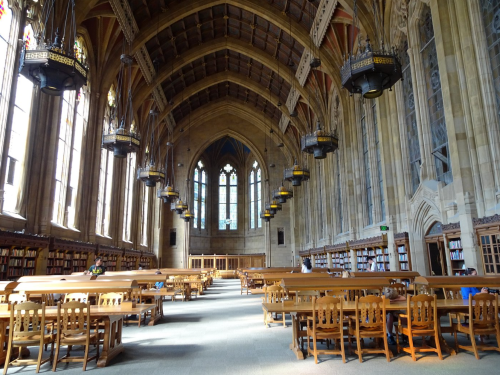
(295, 345)
(156, 313)
(442, 341)
(112, 341)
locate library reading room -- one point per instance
(261, 187)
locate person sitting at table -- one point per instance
(372, 265)
(97, 268)
(159, 284)
(466, 291)
(392, 295)
(307, 266)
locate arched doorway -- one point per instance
(436, 250)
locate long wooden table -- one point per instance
(333, 283)
(271, 278)
(111, 316)
(458, 281)
(388, 275)
(296, 310)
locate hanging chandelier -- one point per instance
(187, 216)
(123, 140)
(54, 64)
(168, 193)
(370, 72)
(151, 173)
(296, 174)
(281, 194)
(267, 216)
(319, 143)
(178, 206)
(273, 207)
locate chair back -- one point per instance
(274, 294)
(350, 295)
(3, 298)
(483, 310)
(327, 313)
(27, 319)
(110, 299)
(452, 293)
(370, 312)
(306, 295)
(17, 298)
(79, 297)
(422, 311)
(73, 318)
(179, 282)
(48, 299)
(400, 288)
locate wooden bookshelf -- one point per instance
(454, 249)
(375, 247)
(402, 244)
(19, 254)
(147, 260)
(319, 258)
(303, 255)
(130, 260)
(488, 234)
(68, 256)
(111, 256)
(341, 255)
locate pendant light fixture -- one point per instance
(54, 64)
(125, 139)
(296, 174)
(370, 72)
(281, 194)
(267, 215)
(152, 172)
(168, 193)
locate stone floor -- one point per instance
(223, 333)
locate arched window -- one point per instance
(129, 195)
(411, 121)
(106, 172)
(19, 135)
(199, 196)
(255, 188)
(491, 17)
(228, 198)
(434, 98)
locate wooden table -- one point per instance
(458, 281)
(301, 309)
(271, 278)
(7, 287)
(111, 316)
(388, 275)
(333, 283)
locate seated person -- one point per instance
(393, 296)
(159, 284)
(372, 266)
(307, 266)
(466, 291)
(97, 268)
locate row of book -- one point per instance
(457, 255)
(455, 244)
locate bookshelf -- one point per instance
(320, 258)
(303, 255)
(375, 247)
(19, 254)
(402, 243)
(455, 251)
(341, 256)
(488, 233)
(68, 256)
(130, 260)
(147, 260)
(111, 256)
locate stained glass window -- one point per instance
(434, 98)
(255, 196)
(366, 163)
(199, 196)
(411, 121)
(491, 19)
(228, 198)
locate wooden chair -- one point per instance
(73, 328)
(454, 294)
(350, 295)
(421, 320)
(48, 299)
(179, 288)
(400, 288)
(326, 323)
(246, 284)
(27, 328)
(369, 321)
(79, 297)
(3, 298)
(110, 299)
(273, 294)
(483, 320)
(198, 286)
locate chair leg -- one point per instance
(410, 339)
(360, 355)
(40, 356)
(342, 345)
(386, 347)
(86, 357)
(56, 357)
(7, 358)
(438, 346)
(315, 349)
(474, 346)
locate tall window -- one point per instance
(340, 216)
(366, 162)
(105, 175)
(255, 188)
(379, 162)
(228, 198)
(411, 122)
(7, 49)
(145, 204)
(129, 195)
(307, 222)
(200, 196)
(63, 155)
(19, 135)
(320, 201)
(434, 99)
(491, 20)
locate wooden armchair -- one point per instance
(326, 323)
(400, 288)
(27, 328)
(246, 284)
(273, 294)
(179, 288)
(455, 294)
(48, 299)
(483, 320)
(79, 297)
(369, 321)
(421, 320)
(73, 328)
(110, 299)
